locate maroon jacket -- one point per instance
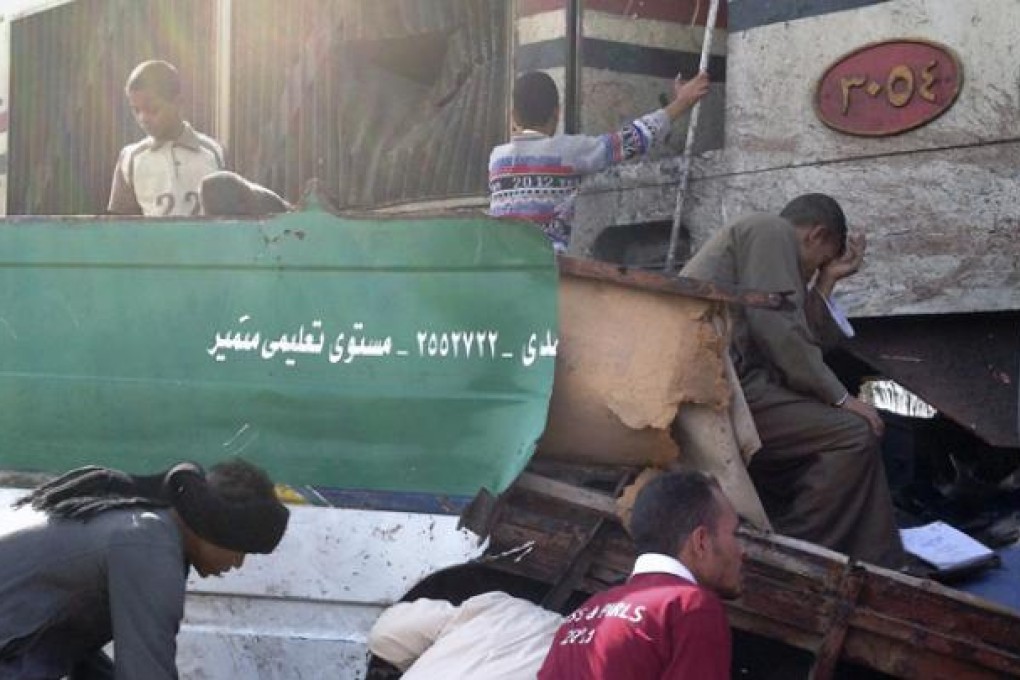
(657, 626)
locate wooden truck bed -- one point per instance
(558, 524)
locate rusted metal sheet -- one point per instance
(385, 101)
(901, 625)
(828, 652)
(965, 365)
(678, 285)
(888, 87)
(68, 115)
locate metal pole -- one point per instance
(572, 79)
(223, 14)
(692, 126)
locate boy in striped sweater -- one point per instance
(536, 174)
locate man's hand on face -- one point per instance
(849, 262)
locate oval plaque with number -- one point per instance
(889, 87)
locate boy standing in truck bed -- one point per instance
(161, 174)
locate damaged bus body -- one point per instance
(134, 343)
(390, 368)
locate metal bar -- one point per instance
(222, 48)
(481, 514)
(577, 566)
(575, 569)
(828, 653)
(572, 78)
(693, 288)
(692, 126)
(599, 503)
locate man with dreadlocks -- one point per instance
(111, 561)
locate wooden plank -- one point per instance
(574, 569)
(829, 650)
(674, 285)
(873, 650)
(787, 632)
(600, 503)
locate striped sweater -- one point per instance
(535, 177)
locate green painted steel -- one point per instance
(365, 353)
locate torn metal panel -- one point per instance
(632, 359)
(718, 442)
(625, 361)
(369, 354)
(385, 101)
(966, 366)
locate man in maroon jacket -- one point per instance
(666, 621)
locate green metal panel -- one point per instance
(308, 343)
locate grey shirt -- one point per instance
(68, 587)
(760, 252)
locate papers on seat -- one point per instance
(946, 548)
